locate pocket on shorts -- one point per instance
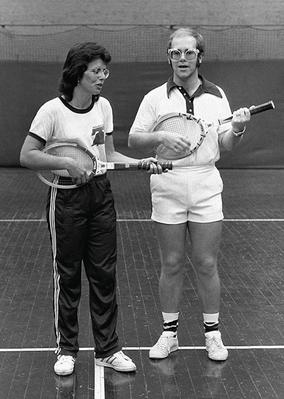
(213, 182)
(208, 185)
(156, 181)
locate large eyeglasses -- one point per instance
(189, 54)
(99, 71)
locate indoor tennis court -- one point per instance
(251, 269)
(245, 57)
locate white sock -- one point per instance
(168, 317)
(211, 318)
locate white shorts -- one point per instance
(187, 194)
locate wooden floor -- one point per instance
(252, 310)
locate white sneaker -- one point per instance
(64, 365)
(118, 361)
(164, 346)
(215, 347)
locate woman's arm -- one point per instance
(33, 157)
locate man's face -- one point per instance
(184, 68)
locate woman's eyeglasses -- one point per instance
(99, 71)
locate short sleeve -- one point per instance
(145, 117)
(42, 125)
(223, 113)
(108, 116)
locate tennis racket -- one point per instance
(194, 128)
(85, 160)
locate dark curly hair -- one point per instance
(76, 63)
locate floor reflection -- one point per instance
(66, 386)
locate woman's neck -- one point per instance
(80, 100)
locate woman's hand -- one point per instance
(78, 175)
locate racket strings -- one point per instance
(83, 160)
(173, 125)
(186, 126)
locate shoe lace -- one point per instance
(65, 358)
(118, 356)
(216, 341)
(163, 343)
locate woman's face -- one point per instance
(94, 77)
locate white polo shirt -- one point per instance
(209, 103)
(58, 120)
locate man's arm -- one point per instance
(145, 141)
(150, 141)
(229, 139)
(114, 156)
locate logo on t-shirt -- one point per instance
(98, 135)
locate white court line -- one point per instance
(22, 220)
(99, 382)
(146, 348)
(224, 220)
(142, 348)
(253, 220)
(141, 220)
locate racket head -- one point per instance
(180, 124)
(61, 178)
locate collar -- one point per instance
(79, 110)
(205, 87)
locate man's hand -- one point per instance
(240, 118)
(152, 166)
(174, 142)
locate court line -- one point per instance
(99, 382)
(142, 220)
(144, 348)
(224, 220)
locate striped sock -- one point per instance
(170, 323)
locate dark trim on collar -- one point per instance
(205, 87)
(77, 110)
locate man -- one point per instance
(82, 222)
(188, 198)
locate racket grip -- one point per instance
(167, 165)
(256, 109)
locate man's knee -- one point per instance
(172, 265)
(206, 266)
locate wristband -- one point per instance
(238, 134)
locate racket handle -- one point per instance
(254, 109)
(167, 165)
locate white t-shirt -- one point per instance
(210, 105)
(57, 120)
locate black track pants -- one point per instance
(82, 225)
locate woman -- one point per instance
(82, 222)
